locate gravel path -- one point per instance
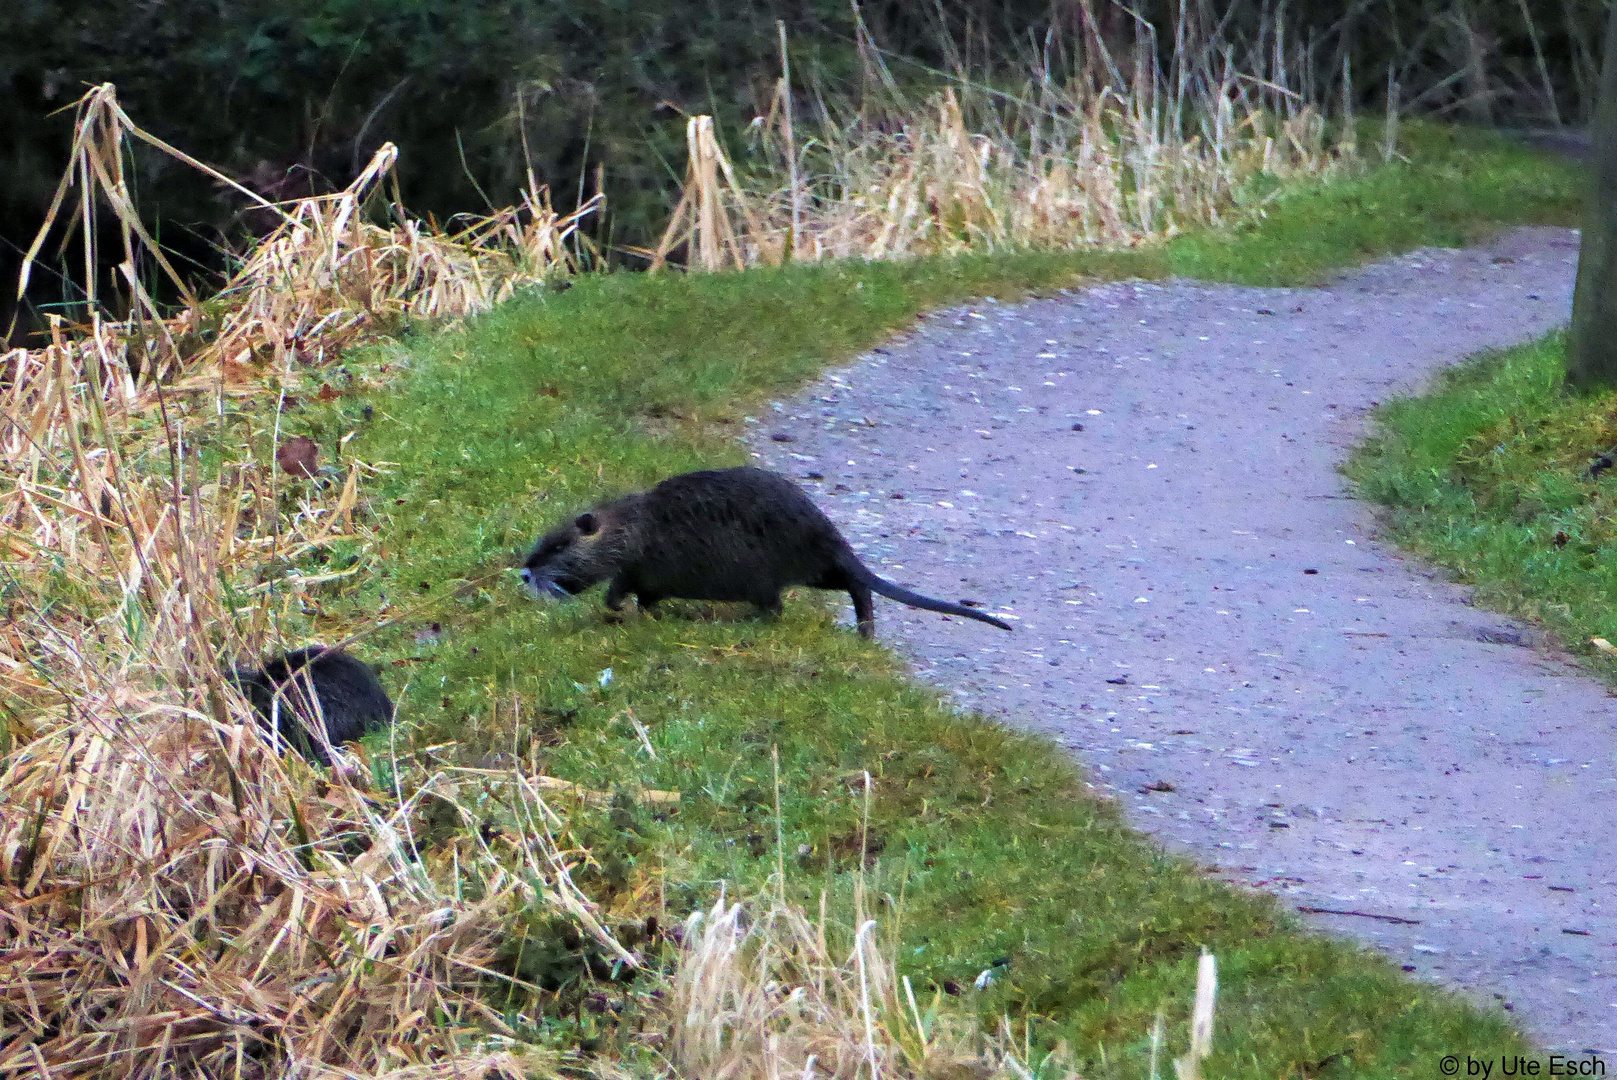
(1200, 605)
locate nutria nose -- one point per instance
(527, 576)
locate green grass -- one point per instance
(1455, 187)
(992, 840)
(1486, 475)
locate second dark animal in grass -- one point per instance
(726, 535)
(297, 690)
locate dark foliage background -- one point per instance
(294, 95)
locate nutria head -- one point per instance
(273, 687)
(572, 557)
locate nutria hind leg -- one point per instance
(864, 610)
(771, 606)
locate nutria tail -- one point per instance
(915, 599)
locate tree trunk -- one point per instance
(1592, 357)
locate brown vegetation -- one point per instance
(1120, 152)
(173, 896)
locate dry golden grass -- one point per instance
(181, 902)
(761, 992)
(1111, 156)
(323, 280)
(175, 899)
(100, 488)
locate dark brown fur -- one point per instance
(726, 535)
(296, 690)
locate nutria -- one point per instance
(726, 534)
(346, 695)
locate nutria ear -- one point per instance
(586, 524)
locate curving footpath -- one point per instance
(1205, 618)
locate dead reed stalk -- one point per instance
(763, 991)
(702, 218)
(99, 428)
(1119, 152)
(175, 899)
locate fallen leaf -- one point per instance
(299, 457)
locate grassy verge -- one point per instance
(1488, 475)
(997, 856)
(1450, 187)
